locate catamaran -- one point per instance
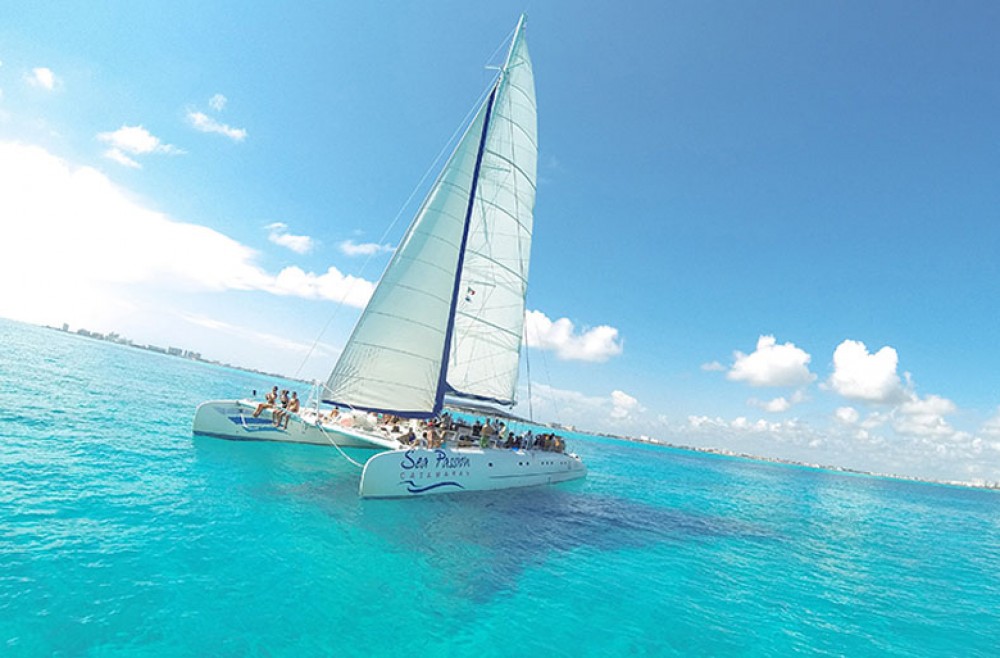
(446, 319)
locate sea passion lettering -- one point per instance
(441, 459)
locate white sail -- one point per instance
(394, 359)
(486, 341)
(447, 315)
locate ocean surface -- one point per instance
(121, 534)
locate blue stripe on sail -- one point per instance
(442, 383)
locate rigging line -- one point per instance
(527, 363)
(548, 379)
(506, 41)
(354, 280)
(339, 449)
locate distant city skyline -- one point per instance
(765, 228)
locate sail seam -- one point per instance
(513, 216)
(504, 158)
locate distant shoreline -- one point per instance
(177, 352)
(722, 452)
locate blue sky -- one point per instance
(730, 194)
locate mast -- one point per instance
(442, 384)
(486, 343)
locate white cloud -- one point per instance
(617, 412)
(332, 286)
(623, 405)
(206, 124)
(847, 415)
(135, 140)
(42, 77)
(924, 417)
(714, 366)
(217, 102)
(596, 344)
(279, 235)
(858, 375)
(121, 158)
(72, 238)
(351, 248)
(875, 419)
(779, 404)
(772, 365)
(992, 427)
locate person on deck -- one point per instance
(293, 408)
(282, 404)
(268, 402)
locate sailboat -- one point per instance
(446, 319)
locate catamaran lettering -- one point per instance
(410, 463)
(444, 461)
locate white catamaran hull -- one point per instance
(405, 473)
(233, 419)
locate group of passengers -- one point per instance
(281, 405)
(484, 434)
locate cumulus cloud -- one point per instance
(135, 140)
(924, 417)
(42, 77)
(279, 235)
(617, 412)
(351, 248)
(596, 344)
(858, 375)
(772, 365)
(217, 102)
(71, 232)
(121, 158)
(992, 427)
(206, 124)
(779, 404)
(332, 285)
(847, 415)
(623, 405)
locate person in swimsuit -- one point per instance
(292, 408)
(268, 402)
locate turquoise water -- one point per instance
(123, 535)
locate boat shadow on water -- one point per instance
(487, 540)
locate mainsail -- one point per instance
(448, 313)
